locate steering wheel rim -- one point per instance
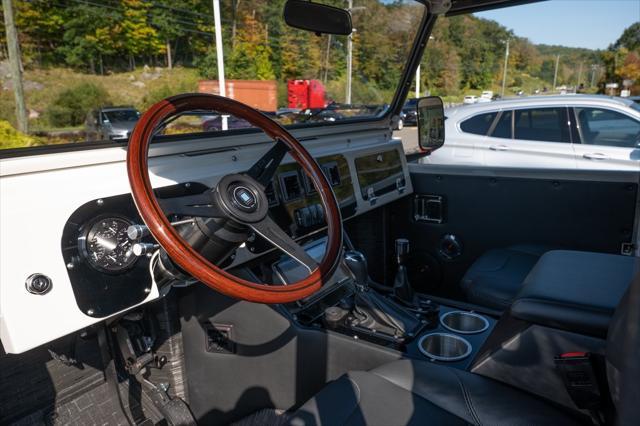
(179, 250)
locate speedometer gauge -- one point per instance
(106, 245)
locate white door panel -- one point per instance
(498, 152)
(597, 157)
(609, 139)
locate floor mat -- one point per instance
(100, 406)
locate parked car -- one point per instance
(486, 96)
(470, 99)
(112, 122)
(410, 117)
(214, 123)
(565, 132)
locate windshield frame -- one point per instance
(382, 121)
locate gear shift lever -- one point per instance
(357, 264)
(371, 309)
(401, 286)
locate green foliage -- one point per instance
(630, 38)
(166, 90)
(11, 138)
(208, 65)
(72, 105)
(250, 59)
(7, 107)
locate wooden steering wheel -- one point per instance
(237, 197)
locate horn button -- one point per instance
(242, 198)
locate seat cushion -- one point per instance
(496, 277)
(576, 291)
(409, 392)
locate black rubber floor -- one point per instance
(64, 384)
(96, 407)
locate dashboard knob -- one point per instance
(38, 284)
(142, 249)
(137, 232)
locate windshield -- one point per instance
(78, 57)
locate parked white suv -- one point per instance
(565, 132)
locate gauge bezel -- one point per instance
(86, 228)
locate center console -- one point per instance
(395, 317)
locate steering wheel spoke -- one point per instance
(264, 169)
(200, 205)
(271, 232)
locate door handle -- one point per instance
(595, 156)
(499, 148)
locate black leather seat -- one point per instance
(409, 392)
(496, 277)
(577, 291)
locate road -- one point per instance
(409, 136)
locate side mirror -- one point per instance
(430, 123)
(318, 18)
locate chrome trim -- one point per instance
(445, 358)
(471, 314)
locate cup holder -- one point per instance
(464, 322)
(444, 347)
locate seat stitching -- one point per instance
(420, 396)
(467, 398)
(353, 410)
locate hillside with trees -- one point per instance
(136, 52)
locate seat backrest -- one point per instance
(623, 356)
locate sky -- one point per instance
(593, 24)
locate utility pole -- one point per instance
(579, 76)
(15, 65)
(351, 9)
(504, 73)
(347, 98)
(220, 56)
(593, 74)
(418, 82)
(326, 60)
(555, 74)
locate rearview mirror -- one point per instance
(430, 123)
(318, 18)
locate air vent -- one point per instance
(290, 186)
(308, 185)
(332, 172)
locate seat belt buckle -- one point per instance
(580, 380)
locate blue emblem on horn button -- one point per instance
(244, 198)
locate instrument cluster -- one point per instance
(106, 246)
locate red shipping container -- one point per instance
(260, 94)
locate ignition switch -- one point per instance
(38, 284)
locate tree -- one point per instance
(251, 58)
(630, 38)
(88, 36)
(138, 36)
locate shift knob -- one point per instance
(402, 250)
(357, 264)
